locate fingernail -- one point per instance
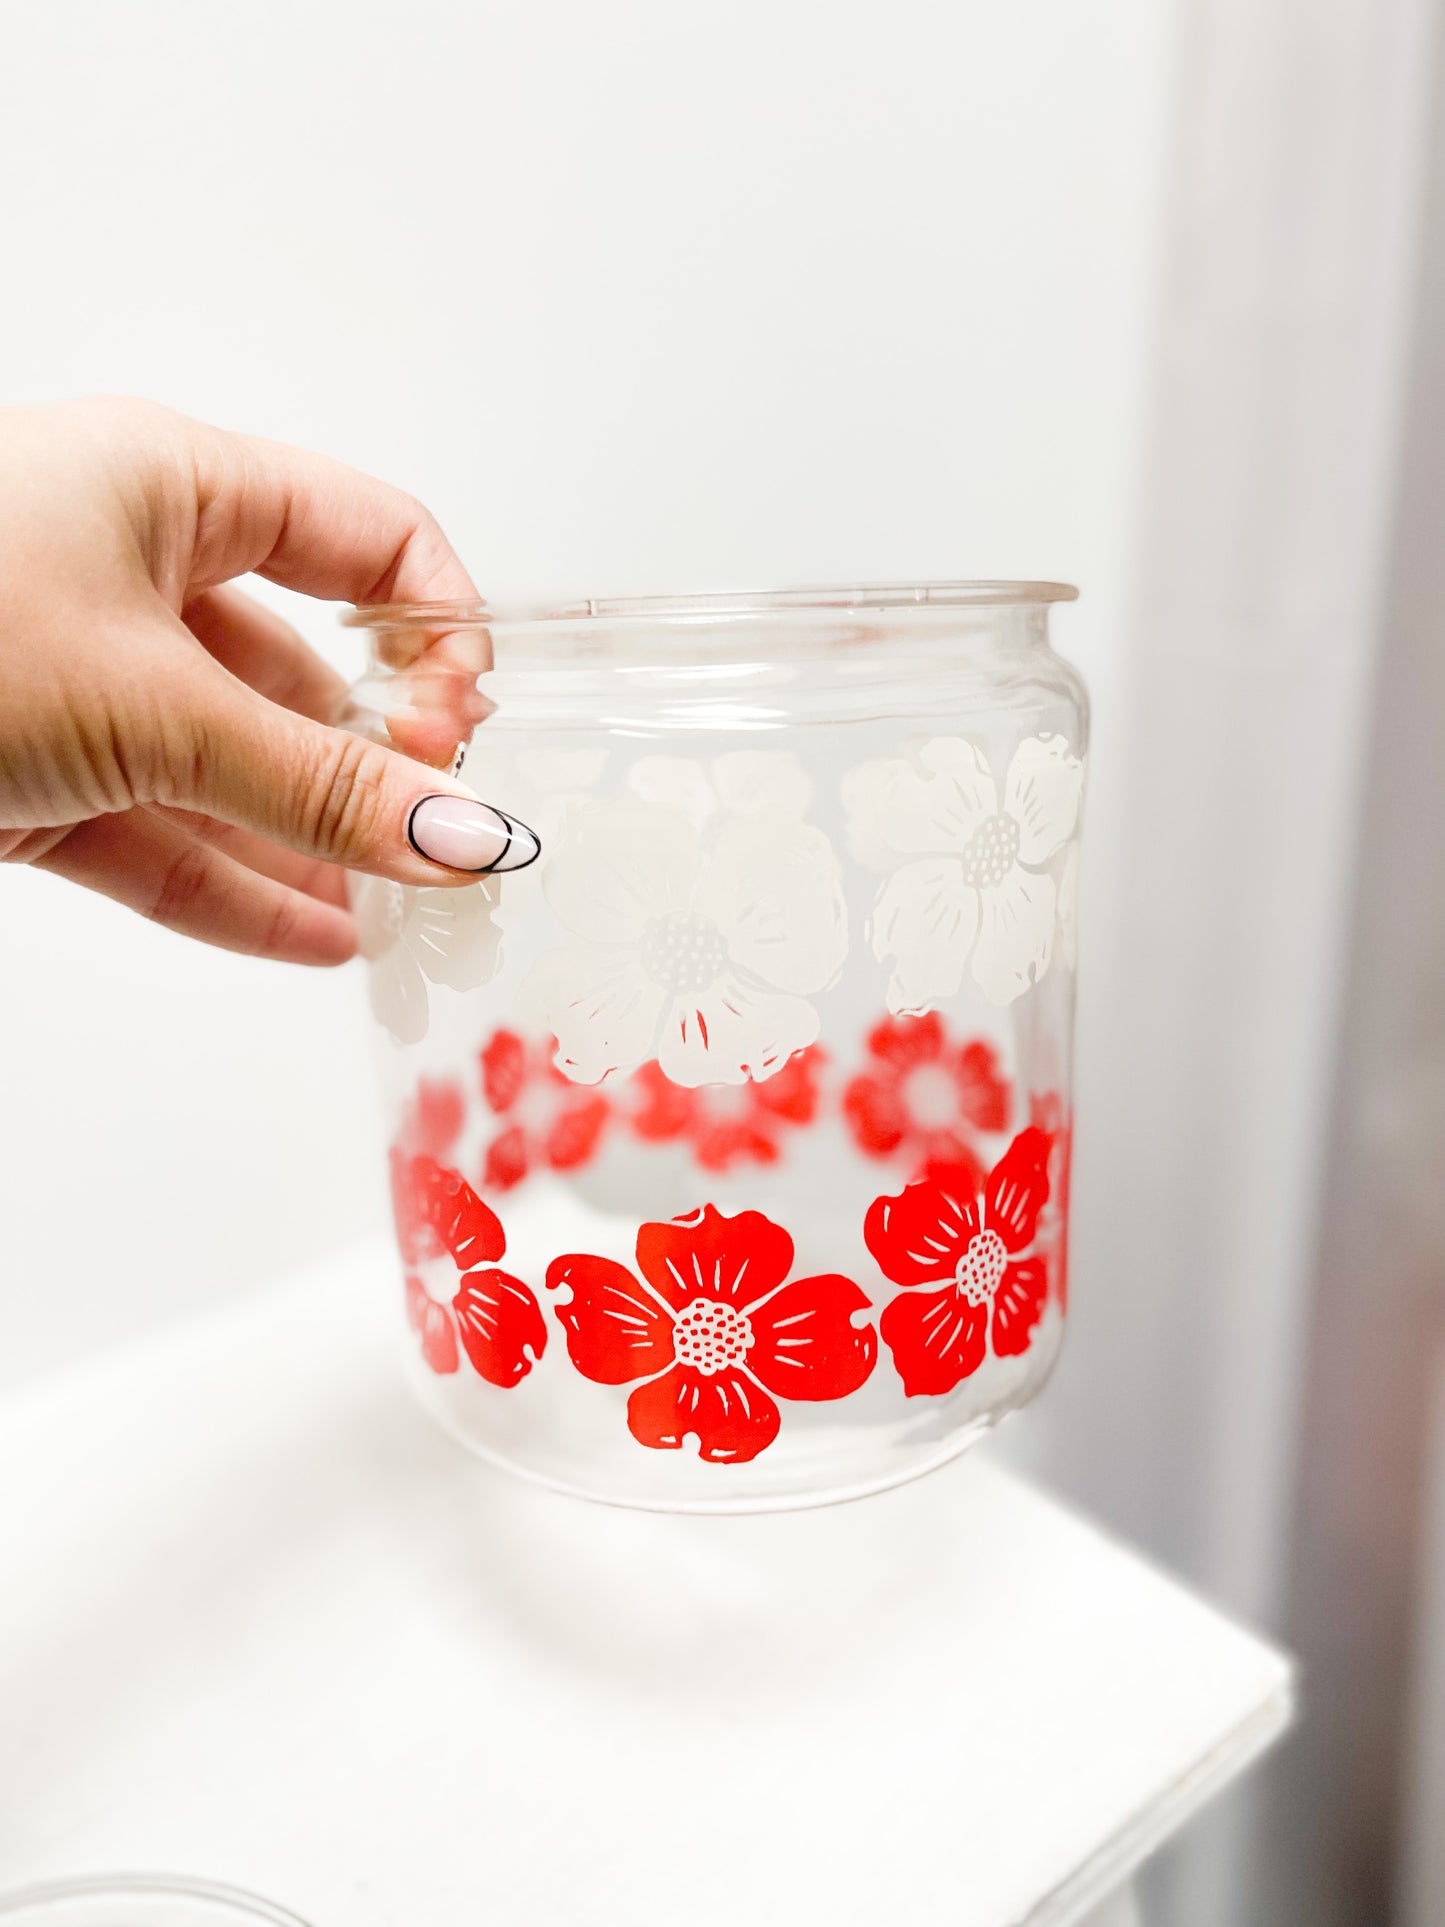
(463, 835)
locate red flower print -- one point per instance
(925, 1094)
(494, 1316)
(543, 1118)
(971, 1236)
(727, 1123)
(1049, 1114)
(433, 1120)
(713, 1330)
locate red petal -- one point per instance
(404, 1208)
(504, 1069)
(948, 1149)
(435, 1117)
(792, 1092)
(707, 1255)
(908, 1041)
(575, 1131)
(874, 1110)
(805, 1343)
(1047, 1111)
(416, 1302)
(733, 1418)
(1061, 1270)
(1018, 1305)
(1064, 1154)
(502, 1328)
(725, 1141)
(616, 1330)
(439, 1342)
(433, 1322)
(506, 1162)
(1018, 1188)
(936, 1338)
(663, 1109)
(444, 1214)
(919, 1236)
(983, 1092)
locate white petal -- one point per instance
(678, 782)
(731, 1032)
(924, 923)
(930, 806)
(774, 890)
(549, 815)
(598, 1005)
(398, 995)
(620, 865)
(1042, 792)
(452, 935)
(770, 781)
(379, 908)
(1015, 935)
(540, 782)
(553, 769)
(1069, 910)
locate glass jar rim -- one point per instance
(705, 607)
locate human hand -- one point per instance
(164, 738)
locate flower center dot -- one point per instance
(683, 954)
(981, 1267)
(990, 852)
(709, 1336)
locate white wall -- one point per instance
(638, 297)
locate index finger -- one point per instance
(315, 525)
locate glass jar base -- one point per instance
(913, 1464)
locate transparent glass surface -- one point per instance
(138, 1900)
(730, 1140)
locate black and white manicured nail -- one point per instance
(461, 834)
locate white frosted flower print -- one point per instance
(751, 781)
(544, 780)
(412, 937)
(700, 947)
(968, 882)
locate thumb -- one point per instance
(335, 796)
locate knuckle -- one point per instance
(179, 764)
(347, 799)
(172, 747)
(184, 885)
(420, 524)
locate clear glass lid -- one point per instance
(861, 597)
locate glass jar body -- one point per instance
(730, 1140)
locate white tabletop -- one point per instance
(260, 1621)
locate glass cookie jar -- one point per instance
(730, 1139)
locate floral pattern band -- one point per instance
(710, 1328)
(700, 915)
